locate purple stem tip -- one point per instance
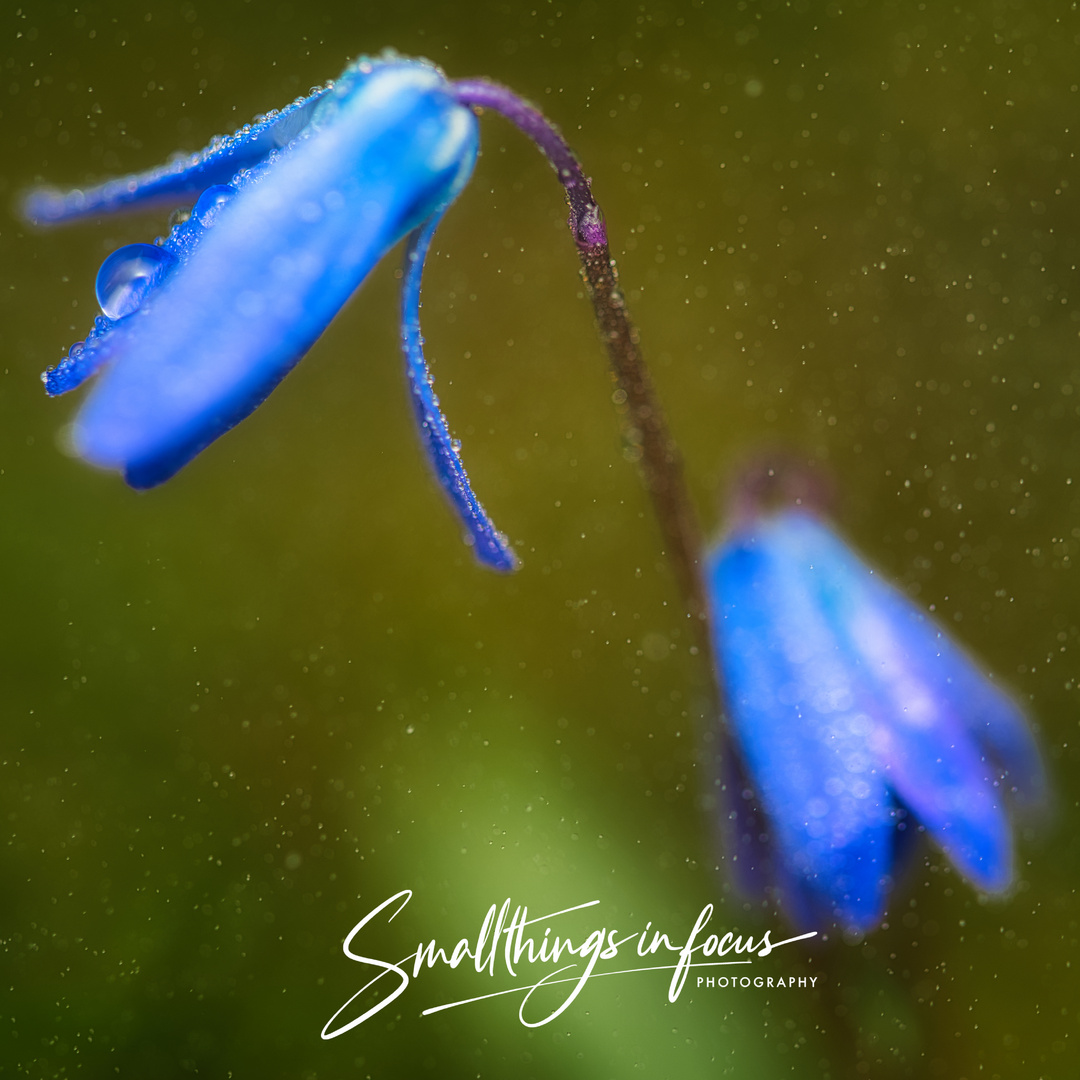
(586, 221)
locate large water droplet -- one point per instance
(128, 275)
(210, 202)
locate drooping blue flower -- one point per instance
(856, 723)
(290, 215)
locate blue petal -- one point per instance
(988, 715)
(185, 176)
(491, 547)
(800, 714)
(919, 734)
(83, 359)
(934, 706)
(384, 150)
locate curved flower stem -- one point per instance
(645, 430)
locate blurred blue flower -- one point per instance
(290, 215)
(857, 724)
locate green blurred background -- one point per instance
(241, 710)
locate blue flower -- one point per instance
(290, 215)
(857, 723)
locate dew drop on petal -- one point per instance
(127, 275)
(211, 201)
